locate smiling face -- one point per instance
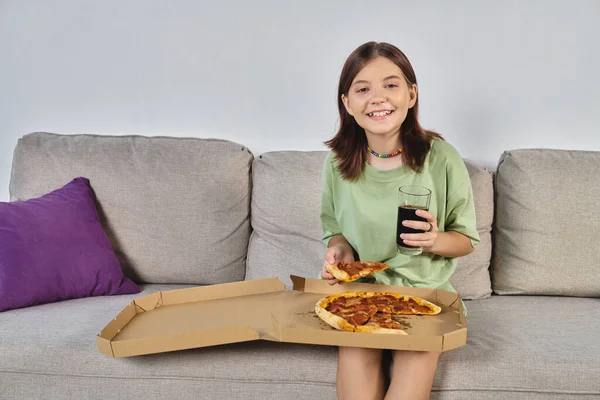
(380, 97)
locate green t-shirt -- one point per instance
(365, 213)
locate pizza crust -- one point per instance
(376, 329)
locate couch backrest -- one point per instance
(286, 198)
(176, 210)
(547, 228)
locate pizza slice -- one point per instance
(348, 272)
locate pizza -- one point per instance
(371, 311)
(354, 270)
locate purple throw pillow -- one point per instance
(54, 248)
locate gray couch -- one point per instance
(185, 211)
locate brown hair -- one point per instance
(350, 143)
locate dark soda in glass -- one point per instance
(407, 212)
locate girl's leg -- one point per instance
(412, 375)
(359, 374)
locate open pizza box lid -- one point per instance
(264, 310)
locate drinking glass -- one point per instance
(410, 199)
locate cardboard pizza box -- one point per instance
(264, 310)
(193, 317)
(298, 322)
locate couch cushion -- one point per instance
(286, 239)
(547, 223)
(177, 202)
(286, 196)
(54, 248)
(49, 351)
(472, 277)
(526, 347)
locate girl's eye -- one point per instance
(361, 90)
(392, 85)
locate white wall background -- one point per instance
(493, 75)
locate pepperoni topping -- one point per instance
(339, 301)
(401, 307)
(352, 268)
(386, 321)
(356, 267)
(333, 308)
(376, 310)
(364, 307)
(383, 306)
(423, 309)
(360, 318)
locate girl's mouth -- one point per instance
(379, 115)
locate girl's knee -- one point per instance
(419, 357)
(359, 357)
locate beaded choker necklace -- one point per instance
(380, 155)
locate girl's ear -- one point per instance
(346, 104)
(413, 92)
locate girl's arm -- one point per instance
(340, 240)
(450, 244)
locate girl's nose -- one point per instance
(377, 98)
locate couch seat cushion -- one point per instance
(531, 344)
(49, 347)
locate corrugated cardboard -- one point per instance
(194, 317)
(299, 323)
(264, 310)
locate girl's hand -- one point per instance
(334, 255)
(425, 240)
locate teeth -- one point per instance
(379, 114)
